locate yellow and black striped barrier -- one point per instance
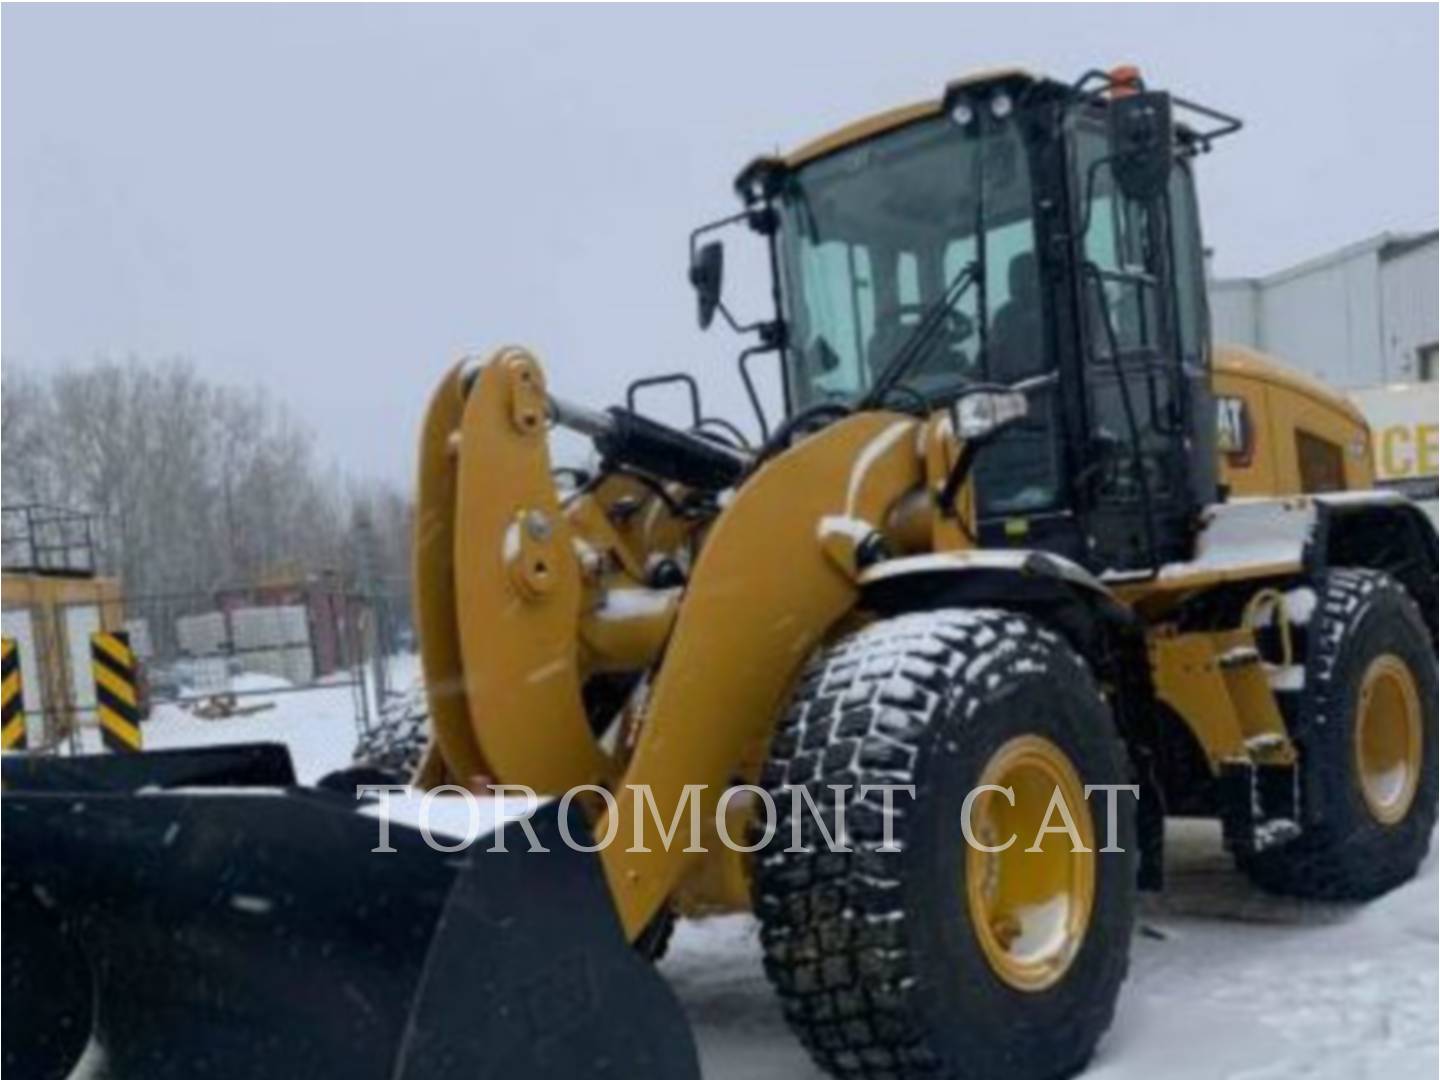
(117, 699)
(12, 698)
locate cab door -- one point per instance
(1145, 356)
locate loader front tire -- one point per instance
(936, 959)
(1367, 733)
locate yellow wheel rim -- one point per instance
(1030, 909)
(1388, 739)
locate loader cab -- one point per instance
(1018, 210)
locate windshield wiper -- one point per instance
(934, 316)
(912, 348)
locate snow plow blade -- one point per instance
(241, 932)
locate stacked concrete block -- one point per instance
(203, 635)
(274, 641)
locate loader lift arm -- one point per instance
(507, 704)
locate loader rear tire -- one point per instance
(396, 742)
(880, 961)
(1367, 734)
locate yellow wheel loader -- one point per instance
(1026, 566)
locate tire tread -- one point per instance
(833, 926)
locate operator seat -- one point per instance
(1017, 335)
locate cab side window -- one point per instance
(839, 296)
(1189, 259)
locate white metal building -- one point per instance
(1362, 316)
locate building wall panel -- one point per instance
(1409, 286)
(1356, 317)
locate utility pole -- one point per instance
(369, 559)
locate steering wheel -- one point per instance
(945, 346)
(958, 325)
(919, 403)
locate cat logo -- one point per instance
(1233, 432)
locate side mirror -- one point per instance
(1142, 143)
(707, 275)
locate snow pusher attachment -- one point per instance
(189, 926)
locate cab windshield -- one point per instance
(872, 238)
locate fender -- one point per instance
(1058, 592)
(1063, 595)
(1378, 530)
(1312, 532)
(1292, 537)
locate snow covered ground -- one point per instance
(1225, 982)
(317, 723)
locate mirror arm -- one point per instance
(713, 226)
(730, 320)
(763, 220)
(765, 328)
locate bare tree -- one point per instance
(198, 484)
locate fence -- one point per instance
(286, 654)
(47, 539)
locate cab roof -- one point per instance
(859, 130)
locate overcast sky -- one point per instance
(334, 201)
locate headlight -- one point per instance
(980, 413)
